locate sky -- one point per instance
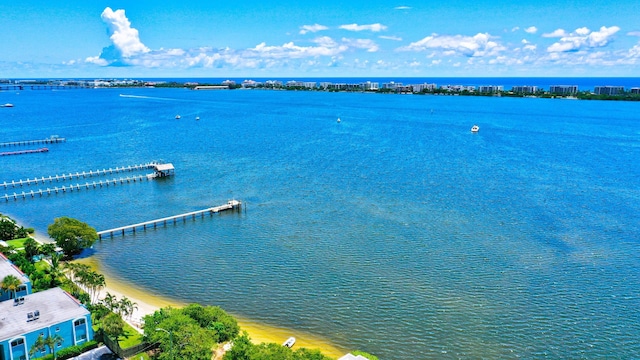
(315, 39)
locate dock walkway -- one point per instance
(51, 140)
(77, 187)
(71, 176)
(230, 205)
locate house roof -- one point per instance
(163, 167)
(7, 268)
(55, 306)
(350, 356)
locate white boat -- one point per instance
(177, 116)
(289, 343)
(7, 105)
(475, 128)
(338, 119)
(197, 117)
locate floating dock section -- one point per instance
(231, 205)
(22, 152)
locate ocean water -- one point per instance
(396, 231)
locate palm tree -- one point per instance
(110, 301)
(10, 283)
(42, 343)
(127, 307)
(51, 342)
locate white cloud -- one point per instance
(394, 38)
(312, 28)
(634, 33)
(414, 64)
(556, 33)
(530, 47)
(326, 47)
(436, 62)
(531, 30)
(515, 29)
(372, 27)
(478, 45)
(402, 7)
(366, 44)
(584, 38)
(583, 31)
(124, 37)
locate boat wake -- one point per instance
(148, 97)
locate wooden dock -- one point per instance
(22, 152)
(51, 140)
(230, 205)
(77, 187)
(77, 175)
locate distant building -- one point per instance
(228, 82)
(490, 89)
(525, 89)
(423, 87)
(273, 83)
(370, 86)
(564, 89)
(250, 84)
(635, 90)
(47, 313)
(458, 88)
(609, 90)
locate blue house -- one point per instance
(8, 268)
(47, 313)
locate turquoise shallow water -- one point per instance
(395, 231)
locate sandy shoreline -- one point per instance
(147, 303)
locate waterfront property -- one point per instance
(51, 313)
(8, 268)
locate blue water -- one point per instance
(396, 231)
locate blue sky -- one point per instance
(243, 38)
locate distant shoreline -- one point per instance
(459, 88)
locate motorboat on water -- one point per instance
(197, 117)
(475, 128)
(289, 343)
(178, 117)
(338, 119)
(7, 105)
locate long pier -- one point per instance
(77, 187)
(230, 205)
(51, 140)
(22, 152)
(71, 176)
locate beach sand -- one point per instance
(148, 302)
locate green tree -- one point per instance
(31, 248)
(242, 348)
(10, 283)
(48, 249)
(42, 343)
(113, 325)
(7, 229)
(72, 235)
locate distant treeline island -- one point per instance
(603, 92)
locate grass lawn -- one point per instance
(17, 243)
(141, 356)
(41, 265)
(130, 338)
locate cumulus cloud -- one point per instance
(556, 33)
(471, 46)
(312, 28)
(372, 27)
(584, 38)
(124, 37)
(633, 33)
(531, 30)
(394, 38)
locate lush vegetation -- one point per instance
(244, 349)
(72, 235)
(9, 229)
(190, 332)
